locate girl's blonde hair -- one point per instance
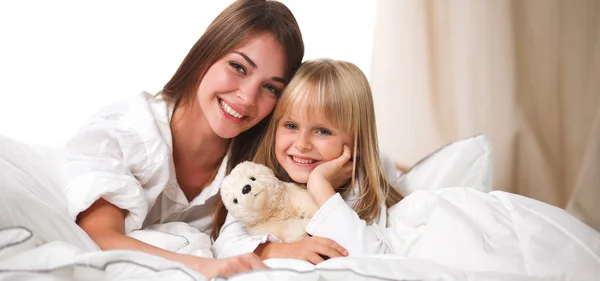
(339, 92)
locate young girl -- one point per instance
(322, 128)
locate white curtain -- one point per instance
(525, 73)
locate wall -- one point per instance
(61, 60)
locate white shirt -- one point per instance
(335, 220)
(124, 155)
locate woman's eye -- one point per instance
(238, 67)
(272, 89)
(324, 132)
(290, 126)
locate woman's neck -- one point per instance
(194, 142)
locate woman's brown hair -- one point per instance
(232, 27)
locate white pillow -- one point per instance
(465, 163)
(31, 196)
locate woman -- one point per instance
(159, 158)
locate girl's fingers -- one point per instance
(328, 251)
(346, 155)
(314, 258)
(343, 159)
(332, 244)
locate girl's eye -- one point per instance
(324, 132)
(290, 126)
(272, 89)
(238, 67)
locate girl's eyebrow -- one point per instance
(251, 63)
(287, 118)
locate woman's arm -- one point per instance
(105, 224)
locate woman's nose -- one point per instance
(249, 92)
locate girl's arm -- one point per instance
(336, 220)
(105, 224)
(234, 240)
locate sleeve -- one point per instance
(337, 221)
(95, 168)
(235, 240)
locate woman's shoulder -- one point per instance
(136, 107)
(143, 114)
(140, 120)
(135, 129)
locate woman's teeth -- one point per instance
(303, 161)
(230, 110)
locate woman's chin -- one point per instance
(226, 131)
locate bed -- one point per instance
(452, 225)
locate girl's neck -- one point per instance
(194, 141)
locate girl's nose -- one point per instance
(303, 144)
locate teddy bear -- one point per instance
(256, 197)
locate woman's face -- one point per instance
(242, 88)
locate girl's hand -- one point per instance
(342, 176)
(224, 267)
(311, 249)
(321, 179)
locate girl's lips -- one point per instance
(303, 161)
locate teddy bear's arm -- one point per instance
(301, 200)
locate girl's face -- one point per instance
(303, 141)
(242, 88)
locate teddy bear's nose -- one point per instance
(246, 189)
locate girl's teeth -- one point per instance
(303, 161)
(230, 110)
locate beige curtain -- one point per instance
(525, 73)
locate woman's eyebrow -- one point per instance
(251, 63)
(279, 79)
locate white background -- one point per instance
(61, 60)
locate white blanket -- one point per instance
(449, 234)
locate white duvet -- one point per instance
(449, 234)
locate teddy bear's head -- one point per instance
(251, 192)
